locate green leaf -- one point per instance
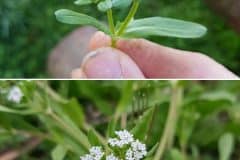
(111, 128)
(121, 3)
(158, 26)
(83, 2)
(126, 97)
(74, 111)
(226, 146)
(93, 138)
(94, 94)
(152, 150)
(175, 154)
(105, 5)
(140, 131)
(21, 112)
(59, 152)
(71, 17)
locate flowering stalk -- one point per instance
(124, 147)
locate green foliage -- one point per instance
(24, 37)
(71, 17)
(129, 27)
(207, 122)
(164, 27)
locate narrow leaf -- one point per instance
(141, 129)
(158, 26)
(226, 146)
(59, 152)
(126, 97)
(74, 110)
(71, 17)
(111, 128)
(15, 111)
(152, 150)
(93, 138)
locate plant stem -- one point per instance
(128, 19)
(77, 135)
(111, 26)
(169, 130)
(177, 100)
(111, 21)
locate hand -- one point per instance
(139, 59)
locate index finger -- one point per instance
(157, 61)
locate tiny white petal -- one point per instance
(111, 157)
(87, 157)
(15, 94)
(96, 152)
(138, 150)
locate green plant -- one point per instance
(71, 118)
(130, 27)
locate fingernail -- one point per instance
(78, 74)
(102, 63)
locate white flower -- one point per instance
(124, 138)
(87, 157)
(129, 155)
(127, 145)
(15, 94)
(111, 157)
(139, 149)
(95, 154)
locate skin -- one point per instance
(140, 59)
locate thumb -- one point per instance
(108, 63)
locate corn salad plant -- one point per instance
(130, 27)
(121, 120)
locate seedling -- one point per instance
(130, 27)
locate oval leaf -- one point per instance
(83, 2)
(121, 3)
(105, 5)
(158, 26)
(71, 17)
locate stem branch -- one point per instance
(111, 26)
(128, 19)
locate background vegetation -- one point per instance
(207, 125)
(28, 31)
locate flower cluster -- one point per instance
(124, 143)
(96, 153)
(15, 94)
(124, 138)
(137, 151)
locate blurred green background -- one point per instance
(28, 31)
